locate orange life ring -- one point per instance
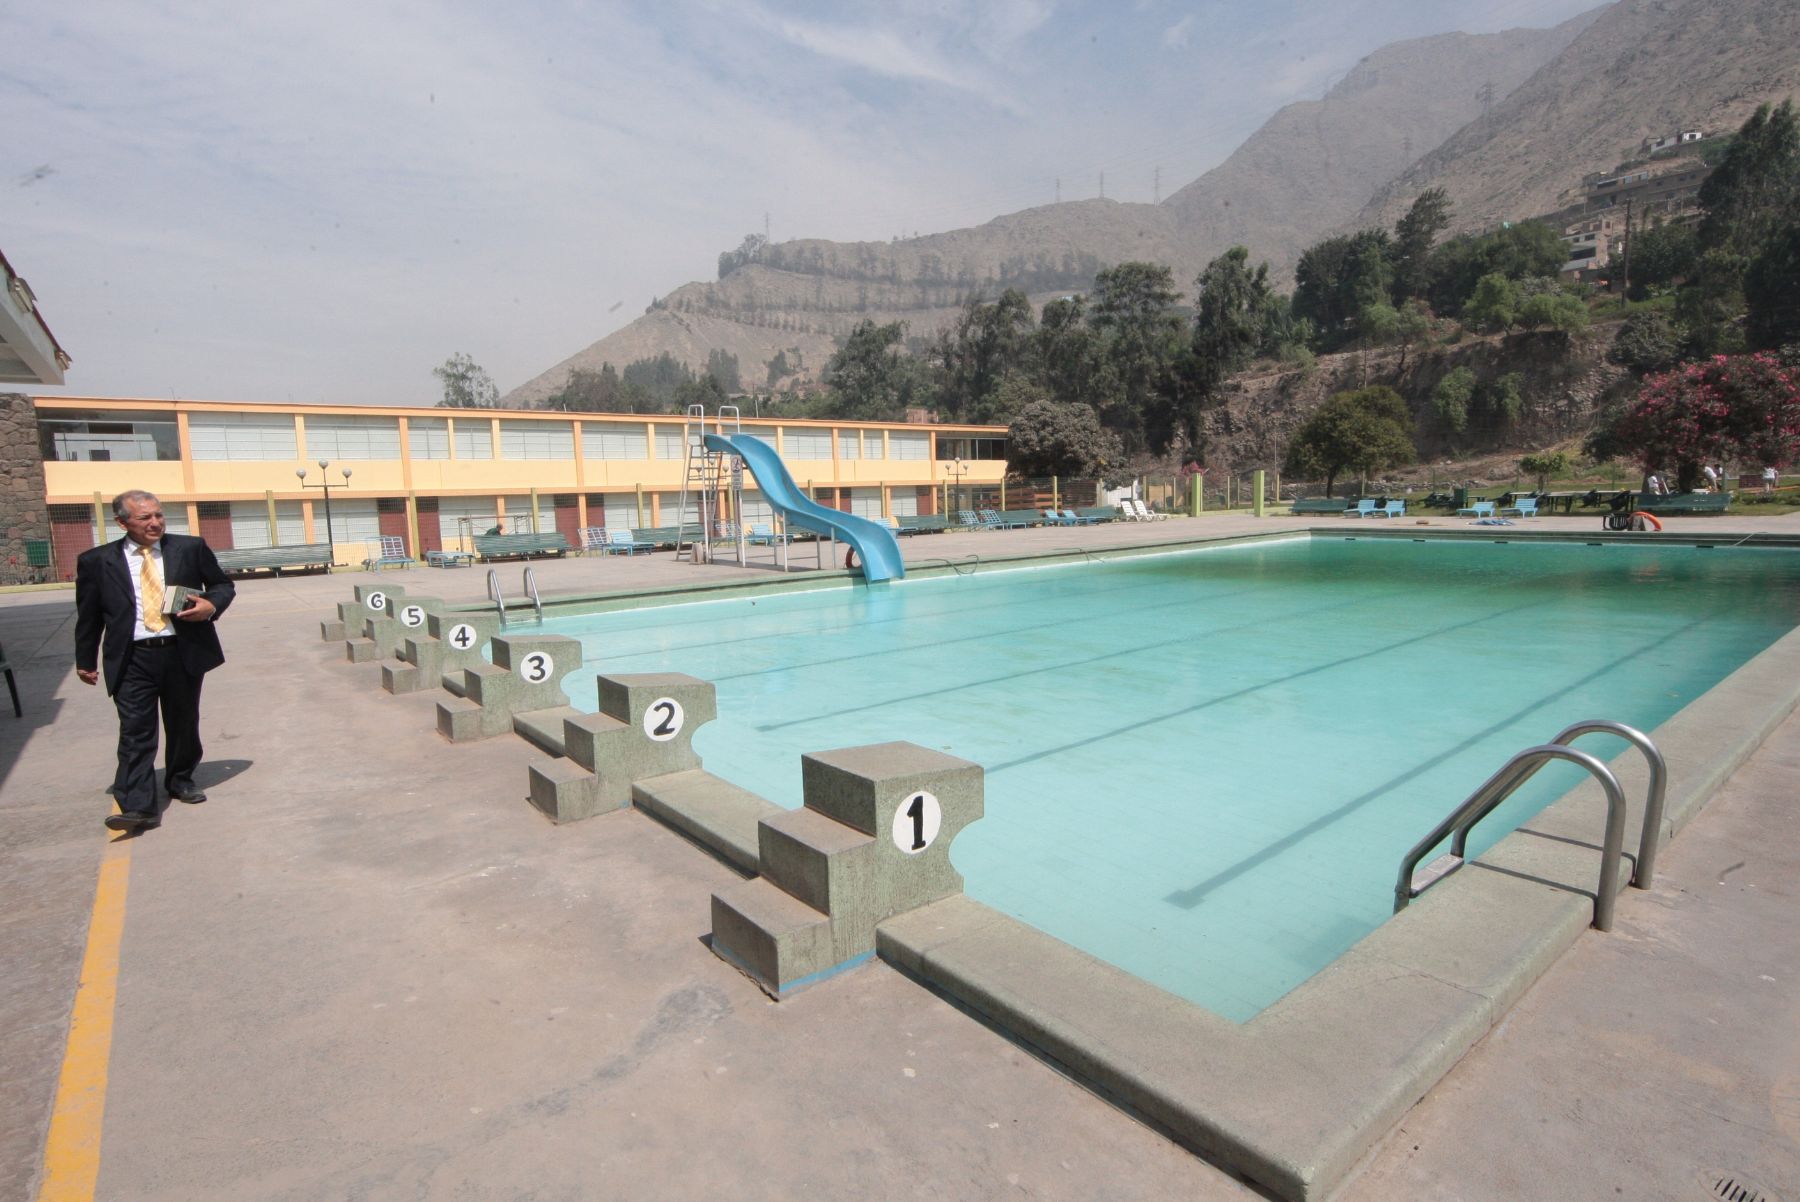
(1648, 517)
(850, 556)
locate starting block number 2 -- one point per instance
(664, 719)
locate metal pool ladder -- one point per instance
(498, 596)
(1514, 773)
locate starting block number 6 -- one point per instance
(412, 616)
(378, 602)
(916, 823)
(537, 667)
(664, 719)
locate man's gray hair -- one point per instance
(129, 495)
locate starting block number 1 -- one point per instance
(916, 823)
(664, 719)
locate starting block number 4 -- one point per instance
(412, 616)
(537, 667)
(664, 719)
(916, 823)
(462, 636)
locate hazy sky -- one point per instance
(309, 201)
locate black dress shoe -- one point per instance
(189, 794)
(132, 822)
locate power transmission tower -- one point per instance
(765, 225)
(1156, 189)
(1486, 95)
(1059, 189)
(1103, 185)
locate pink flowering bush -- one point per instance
(1730, 408)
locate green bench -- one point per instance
(274, 559)
(1321, 505)
(932, 523)
(519, 546)
(1021, 517)
(1098, 513)
(1686, 502)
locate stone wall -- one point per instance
(23, 514)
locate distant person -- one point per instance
(152, 663)
(1712, 477)
(1770, 478)
(497, 528)
(1653, 485)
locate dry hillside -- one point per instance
(1643, 68)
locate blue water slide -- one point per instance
(876, 547)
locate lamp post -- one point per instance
(954, 470)
(330, 542)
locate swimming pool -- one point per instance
(1204, 767)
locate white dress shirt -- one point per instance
(134, 568)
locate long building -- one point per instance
(249, 475)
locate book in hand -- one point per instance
(176, 597)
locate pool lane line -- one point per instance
(72, 1151)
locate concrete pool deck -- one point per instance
(366, 968)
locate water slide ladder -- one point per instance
(705, 478)
(1514, 773)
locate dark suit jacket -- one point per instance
(106, 606)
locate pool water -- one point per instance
(1205, 767)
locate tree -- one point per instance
(1544, 466)
(1230, 301)
(1649, 341)
(1517, 252)
(1743, 408)
(1494, 305)
(1772, 292)
(1756, 187)
(1048, 438)
(870, 380)
(1558, 310)
(1369, 430)
(1339, 277)
(722, 366)
(466, 386)
(590, 391)
(1141, 334)
(1660, 257)
(1450, 399)
(1413, 238)
(987, 342)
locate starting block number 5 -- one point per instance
(412, 616)
(664, 719)
(537, 667)
(916, 823)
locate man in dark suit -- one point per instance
(153, 660)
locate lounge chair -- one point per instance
(1389, 509)
(1138, 511)
(993, 519)
(1477, 509)
(593, 538)
(1524, 507)
(1361, 509)
(764, 535)
(624, 542)
(968, 519)
(1078, 519)
(390, 552)
(1055, 517)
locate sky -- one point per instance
(319, 202)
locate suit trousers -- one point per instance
(154, 680)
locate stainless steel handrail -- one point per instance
(1644, 872)
(531, 590)
(495, 595)
(1515, 772)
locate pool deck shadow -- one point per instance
(368, 968)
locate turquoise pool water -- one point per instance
(1204, 767)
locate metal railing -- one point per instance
(531, 590)
(1514, 773)
(496, 596)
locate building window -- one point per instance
(537, 440)
(474, 440)
(97, 436)
(428, 437)
(849, 444)
(668, 443)
(612, 441)
(243, 436)
(971, 448)
(806, 444)
(352, 438)
(902, 445)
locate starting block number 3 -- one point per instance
(916, 823)
(537, 667)
(664, 719)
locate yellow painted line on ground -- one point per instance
(72, 1153)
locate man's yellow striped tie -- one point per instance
(153, 595)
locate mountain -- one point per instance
(1643, 68)
(1306, 171)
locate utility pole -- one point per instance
(1156, 188)
(1059, 189)
(1103, 185)
(1625, 268)
(765, 225)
